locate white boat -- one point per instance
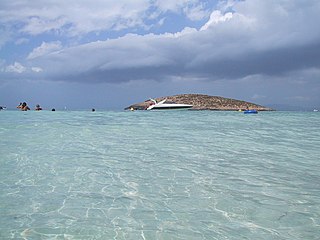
(162, 105)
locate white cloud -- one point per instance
(16, 68)
(215, 18)
(196, 12)
(72, 17)
(174, 6)
(226, 5)
(193, 9)
(45, 48)
(37, 25)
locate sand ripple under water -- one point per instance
(159, 175)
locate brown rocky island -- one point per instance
(204, 102)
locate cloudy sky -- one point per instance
(108, 54)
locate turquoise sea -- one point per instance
(159, 175)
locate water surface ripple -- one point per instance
(159, 175)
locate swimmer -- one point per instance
(24, 107)
(38, 108)
(20, 105)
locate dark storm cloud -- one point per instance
(178, 61)
(266, 40)
(269, 62)
(258, 38)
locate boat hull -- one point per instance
(171, 108)
(250, 112)
(162, 105)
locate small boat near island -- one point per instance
(252, 111)
(163, 105)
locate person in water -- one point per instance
(38, 108)
(24, 107)
(19, 106)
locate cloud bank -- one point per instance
(268, 39)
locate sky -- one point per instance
(108, 54)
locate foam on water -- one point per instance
(159, 175)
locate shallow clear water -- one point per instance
(159, 175)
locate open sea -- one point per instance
(159, 175)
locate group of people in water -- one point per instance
(24, 107)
